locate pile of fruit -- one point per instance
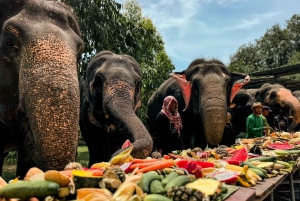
(192, 174)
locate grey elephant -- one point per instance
(203, 91)
(277, 97)
(241, 109)
(296, 93)
(110, 95)
(40, 44)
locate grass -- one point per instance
(10, 162)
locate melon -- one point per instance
(240, 155)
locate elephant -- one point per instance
(109, 96)
(296, 93)
(241, 109)
(40, 46)
(277, 97)
(203, 91)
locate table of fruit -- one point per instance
(221, 173)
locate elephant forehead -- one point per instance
(49, 48)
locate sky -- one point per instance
(209, 29)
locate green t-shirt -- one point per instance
(254, 126)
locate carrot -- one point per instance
(142, 165)
(146, 160)
(157, 166)
(232, 151)
(229, 149)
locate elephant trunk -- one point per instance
(49, 96)
(286, 99)
(121, 106)
(214, 113)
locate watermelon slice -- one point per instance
(126, 144)
(240, 155)
(284, 146)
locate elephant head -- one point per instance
(296, 93)
(40, 44)
(110, 96)
(204, 91)
(241, 109)
(277, 97)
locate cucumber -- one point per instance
(285, 164)
(169, 177)
(156, 197)
(178, 181)
(147, 179)
(250, 165)
(263, 159)
(28, 189)
(156, 187)
(286, 152)
(258, 172)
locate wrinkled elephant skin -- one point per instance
(110, 94)
(203, 109)
(277, 97)
(39, 89)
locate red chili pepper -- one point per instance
(167, 157)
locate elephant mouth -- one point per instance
(104, 121)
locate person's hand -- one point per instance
(173, 131)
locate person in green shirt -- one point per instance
(254, 122)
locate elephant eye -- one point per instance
(137, 81)
(9, 43)
(273, 95)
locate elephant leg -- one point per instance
(2, 158)
(24, 162)
(97, 143)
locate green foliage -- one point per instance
(295, 59)
(105, 27)
(278, 47)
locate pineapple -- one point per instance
(185, 194)
(73, 166)
(222, 152)
(115, 172)
(156, 154)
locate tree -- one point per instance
(105, 27)
(273, 50)
(148, 48)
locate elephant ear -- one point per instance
(185, 87)
(237, 84)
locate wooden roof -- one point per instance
(288, 70)
(275, 76)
